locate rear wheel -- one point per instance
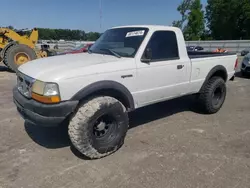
(18, 55)
(99, 127)
(213, 95)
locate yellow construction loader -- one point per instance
(17, 48)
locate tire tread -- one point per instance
(12, 47)
(204, 98)
(78, 133)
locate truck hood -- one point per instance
(59, 66)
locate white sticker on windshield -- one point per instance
(135, 33)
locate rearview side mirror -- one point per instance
(147, 56)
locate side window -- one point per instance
(164, 46)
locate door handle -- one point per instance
(180, 66)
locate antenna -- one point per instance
(100, 6)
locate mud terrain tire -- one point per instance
(99, 127)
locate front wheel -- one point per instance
(99, 127)
(213, 95)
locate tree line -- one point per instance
(218, 20)
(65, 34)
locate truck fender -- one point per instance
(218, 70)
(110, 88)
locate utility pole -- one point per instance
(100, 6)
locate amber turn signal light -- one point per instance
(46, 99)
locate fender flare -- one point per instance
(106, 85)
(217, 68)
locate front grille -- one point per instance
(24, 84)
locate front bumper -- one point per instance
(42, 114)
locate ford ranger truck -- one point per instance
(127, 68)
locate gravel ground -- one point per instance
(169, 145)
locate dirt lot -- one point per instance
(169, 145)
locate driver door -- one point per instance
(166, 75)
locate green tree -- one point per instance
(177, 23)
(218, 14)
(228, 19)
(192, 19)
(92, 36)
(83, 35)
(243, 21)
(183, 9)
(66, 34)
(195, 26)
(206, 35)
(44, 34)
(10, 27)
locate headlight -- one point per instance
(51, 89)
(45, 92)
(38, 87)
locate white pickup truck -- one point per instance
(127, 68)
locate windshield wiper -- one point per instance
(111, 51)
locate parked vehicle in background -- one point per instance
(245, 67)
(80, 49)
(194, 48)
(245, 51)
(127, 68)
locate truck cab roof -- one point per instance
(151, 27)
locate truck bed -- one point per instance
(194, 55)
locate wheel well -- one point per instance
(111, 93)
(219, 73)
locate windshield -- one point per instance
(123, 42)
